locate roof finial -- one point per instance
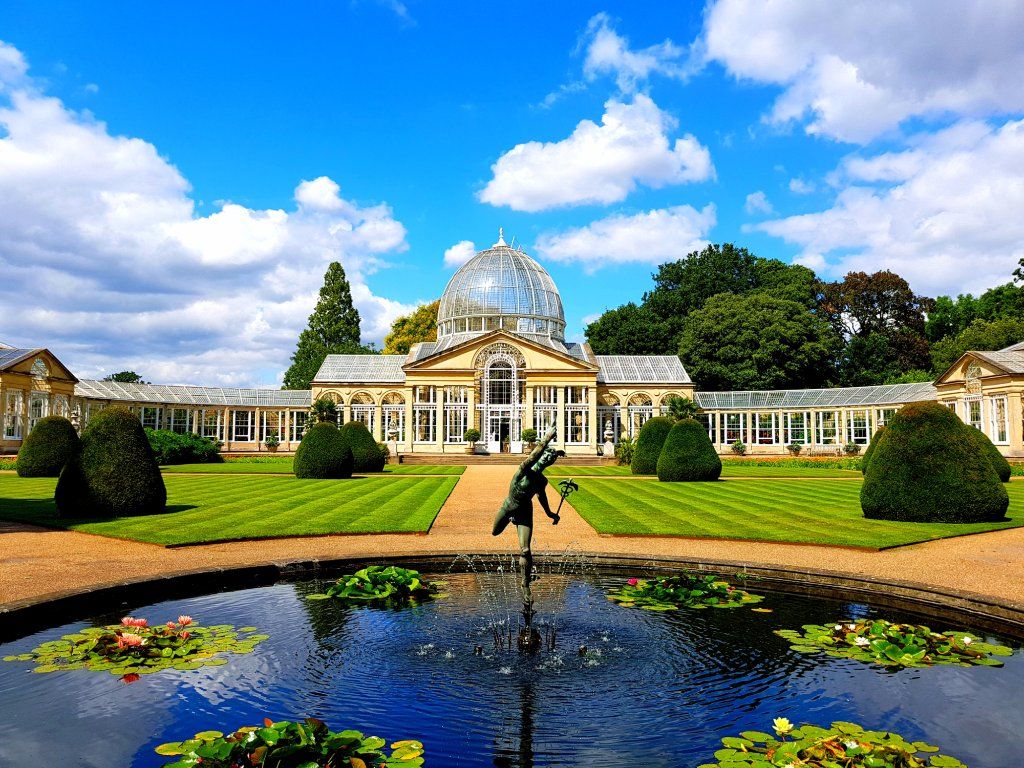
(501, 237)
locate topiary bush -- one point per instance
(182, 448)
(366, 456)
(928, 469)
(51, 444)
(688, 454)
(323, 454)
(648, 445)
(871, 449)
(115, 474)
(986, 446)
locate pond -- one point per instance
(652, 688)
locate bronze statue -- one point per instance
(528, 481)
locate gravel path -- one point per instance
(35, 562)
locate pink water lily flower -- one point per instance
(185, 635)
(129, 640)
(128, 621)
(633, 582)
(184, 620)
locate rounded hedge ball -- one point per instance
(323, 454)
(367, 456)
(929, 468)
(648, 445)
(688, 454)
(51, 444)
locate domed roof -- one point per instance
(500, 287)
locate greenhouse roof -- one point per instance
(10, 355)
(889, 394)
(641, 369)
(185, 395)
(1010, 360)
(362, 369)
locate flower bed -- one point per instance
(809, 462)
(383, 584)
(309, 744)
(134, 648)
(669, 593)
(843, 745)
(877, 641)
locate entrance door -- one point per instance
(499, 428)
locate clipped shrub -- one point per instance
(182, 448)
(739, 448)
(115, 474)
(928, 469)
(624, 450)
(851, 449)
(323, 454)
(51, 444)
(688, 454)
(366, 456)
(871, 448)
(648, 445)
(986, 446)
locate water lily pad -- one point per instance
(668, 593)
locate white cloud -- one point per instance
(105, 260)
(800, 186)
(757, 202)
(13, 67)
(945, 213)
(599, 164)
(652, 237)
(608, 53)
(857, 69)
(459, 254)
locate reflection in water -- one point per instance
(659, 688)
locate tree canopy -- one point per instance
(125, 377)
(333, 330)
(630, 330)
(419, 325)
(982, 335)
(757, 342)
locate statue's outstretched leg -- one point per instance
(526, 559)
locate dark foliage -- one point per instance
(928, 468)
(871, 449)
(51, 444)
(366, 453)
(986, 446)
(688, 454)
(115, 475)
(182, 448)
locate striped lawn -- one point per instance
(728, 470)
(283, 466)
(804, 511)
(205, 508)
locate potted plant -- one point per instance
(794, 449)
(851, 449)
(471, 436)
(739, 448)
(529, 438)
(272, 441)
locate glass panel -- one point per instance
(15, 401)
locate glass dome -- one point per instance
(500, 287)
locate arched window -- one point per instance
(640, 409)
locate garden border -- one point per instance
(23, 617)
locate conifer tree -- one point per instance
(333, 330)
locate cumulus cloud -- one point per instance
(800, 186)
(651, 237)
(757, 202)
(459, 254)
(105, 259)
(944, 213)
(855, 70)
(609, 53)
(599, 164)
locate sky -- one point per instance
(175, 178)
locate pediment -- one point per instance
(41, 364)
(463, 356)
(971, 367)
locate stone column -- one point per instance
(286, 428)
(528, 411)
(560, 417)
(227, 428)
(378, 426)
(594, 427)
(409, 425)
(623, 420)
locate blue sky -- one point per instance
(152, 159)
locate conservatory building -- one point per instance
(501, 365)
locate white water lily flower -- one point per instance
(851, 627)
(851, 744)
(838, 627)
(967, 641)
(861, 641)
(782, 725)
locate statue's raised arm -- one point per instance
(538, 449)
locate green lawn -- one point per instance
(808, 511)
(283, 466)
(728, 470)
(225, 507)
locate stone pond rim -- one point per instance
(1004, 616)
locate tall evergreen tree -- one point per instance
(333, 330)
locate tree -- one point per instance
(323, 410)
(126, 377)
(420, 325)
(881, 357)
(980, 335)
(333, 330)
(949, 317)
(882, 302)
(757, 342)
(680, 408)
(629, 330)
